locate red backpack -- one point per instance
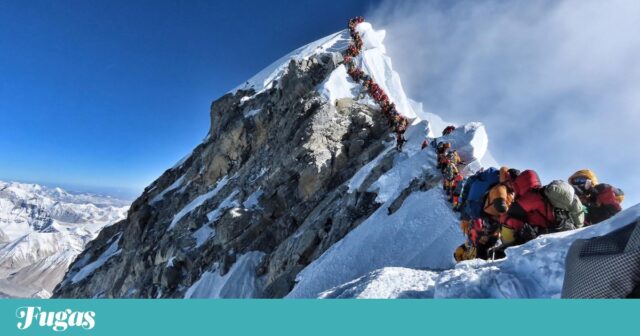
(526, 181)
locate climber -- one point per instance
(358, 41)
(501, 195)
(355, 21)
(453, 156)
(366, 83)
(474, 191)
(425, 144)
(466, 251)
(433, 142)
(400, 140)
(352, 50)
(404, 124)
(355, 73)
(449, 173)
(457, 192)
(530, 214)
(601, 200)
(484, 231)
(376, 91)
(384, 99)
(484, 197)
(448, 130)
(441, 151)
(387, 108)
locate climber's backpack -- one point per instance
(567, 206)
(475, 190)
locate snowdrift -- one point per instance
(422, 233)
(533, 270)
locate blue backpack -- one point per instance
(475, 191)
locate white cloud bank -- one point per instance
(557, 83)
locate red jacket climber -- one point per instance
(530, 207)
(602, 200)
(448, 130)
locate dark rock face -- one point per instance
(270, 177)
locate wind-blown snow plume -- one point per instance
(553, 81)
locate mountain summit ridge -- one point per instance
(296, 191)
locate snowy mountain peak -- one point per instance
(297, 159)
(42, 230)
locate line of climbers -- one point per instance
(499, 207)
(506, 207)
(397, 122)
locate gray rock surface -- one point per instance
(275, 182)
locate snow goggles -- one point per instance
(579, 180)
(582, 183)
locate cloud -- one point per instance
(557, 83)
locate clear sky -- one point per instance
(109, 94)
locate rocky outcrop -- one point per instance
(270, 177)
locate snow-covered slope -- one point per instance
(421, 233)
(267, 77)
(533, 270)
(42, 230)
(422, 230)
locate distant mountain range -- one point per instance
(43, 229)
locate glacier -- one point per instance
(42, 230)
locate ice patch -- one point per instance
(173, 186)
(253, 201)
(339, 85)
(264, 79)
(410, 237)
(203, 234)
(239, 282)
(228, 202)
(198, 202)
(182, 161)
(252, 113)
(111, 251)
(358, 178)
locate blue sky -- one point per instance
(109, 94)
(106, 95)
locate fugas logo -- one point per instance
(58, 321)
